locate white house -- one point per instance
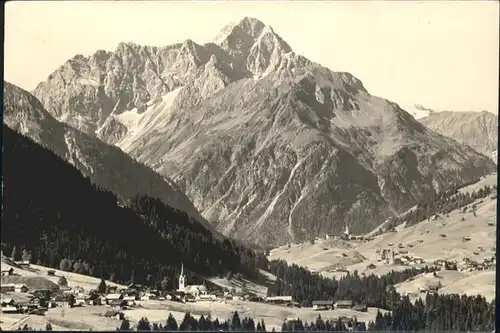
(7, 287)
(279, 299)
(113, 297)
(206, 298)
(9, 309)
(148, 297)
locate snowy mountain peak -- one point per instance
(255, 133)
(247, 26)
(242, 36)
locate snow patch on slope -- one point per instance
(139, 123)
(129, 118)
(88, 82)
(416, 110)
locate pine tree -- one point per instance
(102, 287)
(164, 283)
(125, 326)
(143, 325)
(171, 324)
(26, 255)
(15, 255)
(132, 277)
(263, 325)
(236, 323)
(62, 281)
(186, 323)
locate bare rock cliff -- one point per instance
(268, 145)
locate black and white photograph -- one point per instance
(250, 166)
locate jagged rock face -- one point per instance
(105, 165)
(270, 146)
(476, 129)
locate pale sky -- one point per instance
(441, 54)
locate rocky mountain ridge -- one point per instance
(268, 145)
(478, 130)
(105, 165)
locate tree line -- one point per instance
(54, 216)
(434, 313)
(438, 313)
(189, 323)
(305, 286)
(442, 204)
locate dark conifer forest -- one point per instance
(432, 313)
(55, 216)
(63, 221)
(305, 286)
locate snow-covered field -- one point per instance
(90, 317)
(421, 240)
(273, 315)
(74, 279)
(73, 319)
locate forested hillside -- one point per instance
(442, 203)
(431, 313)
(51, 211)
(305, 286)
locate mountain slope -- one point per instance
(105, 165)
(267, 144)
(52, 211)
(476, 129)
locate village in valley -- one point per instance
(34, 295)
(39, 301)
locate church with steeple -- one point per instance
(194, 290)
(182, 279)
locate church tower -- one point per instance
(182, 279)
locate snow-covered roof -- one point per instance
(114, 296)
(194, 287)
(9, 309)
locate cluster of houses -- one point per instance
(399, 257)
(469, 265)
(200, 293)
(30, 305)
(431, 288)
(345, 235)
(346, 321)
(117, 298)
(342, 304)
